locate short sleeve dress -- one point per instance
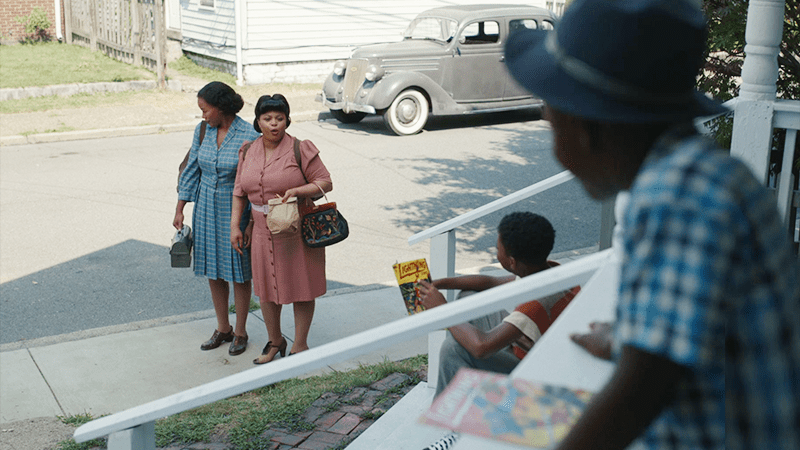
(285, 270)
(208, 181)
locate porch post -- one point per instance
(443, 258)
(752, 120)
(442, 265)
(142, 437)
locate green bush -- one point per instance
(36, 26)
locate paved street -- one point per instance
(85, 225)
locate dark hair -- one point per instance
(221, 96)
(267, 103)
(527, 237)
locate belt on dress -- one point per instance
(264, 209)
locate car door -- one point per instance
(476, 70)
(513, 90)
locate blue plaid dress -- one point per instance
(709, 282)
(208, 182)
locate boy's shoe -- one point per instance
(444, 443)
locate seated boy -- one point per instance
(499, 341)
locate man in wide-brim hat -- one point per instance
(707, 341)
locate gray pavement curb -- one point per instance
(66, 90)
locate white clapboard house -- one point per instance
(263, 41)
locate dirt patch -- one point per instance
(43, 433)
(154, 108)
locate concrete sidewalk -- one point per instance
(123, 368)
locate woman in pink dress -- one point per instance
(285, 270)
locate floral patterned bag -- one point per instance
(322, 225)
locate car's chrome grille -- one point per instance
(417, 64)
(353, 78)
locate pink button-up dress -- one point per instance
(285, 270)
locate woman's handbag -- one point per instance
(283, 217)
(181, 250)
(323, 225)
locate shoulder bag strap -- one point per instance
(245, 148)
(185, 161)
(299, 158)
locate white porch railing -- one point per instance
(135, 428)
(787, 116)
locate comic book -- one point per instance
(514, 410)
(408, 274)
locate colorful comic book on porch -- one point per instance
(514, 410)
(408, 275)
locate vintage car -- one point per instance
(450, 61)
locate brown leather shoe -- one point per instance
(216, 340)
(238, 346)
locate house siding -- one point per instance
(298, 32)
(209, 32)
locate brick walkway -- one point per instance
(337, 418)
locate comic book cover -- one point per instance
(514, 410)
(408, 274)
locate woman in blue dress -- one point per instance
(207, 181)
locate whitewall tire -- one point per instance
(408, 113)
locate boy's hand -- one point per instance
(597, 341)
(430, 295)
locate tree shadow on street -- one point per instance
(475, 182)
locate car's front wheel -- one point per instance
(408, 113)
(343, 117)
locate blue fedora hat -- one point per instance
(619, 61)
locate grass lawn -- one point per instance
(55, 63)
(244, 417)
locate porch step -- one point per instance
(398, 428)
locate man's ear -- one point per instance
(512, 264)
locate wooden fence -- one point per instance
(132, 31)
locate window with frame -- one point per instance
(207, 4)
(487, 32)
(522, 24)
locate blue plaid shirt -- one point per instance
(709, 281)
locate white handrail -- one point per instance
(491, 207)
(700, 122)
(506, 296)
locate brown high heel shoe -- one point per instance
(265, 353)
(217, 339)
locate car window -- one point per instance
(431, 28)
(522, 24)
(547, 25)
(487, 32)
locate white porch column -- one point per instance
(752, 120)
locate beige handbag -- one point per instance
(283, 217)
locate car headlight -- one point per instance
(374, 73)
(339, 68)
